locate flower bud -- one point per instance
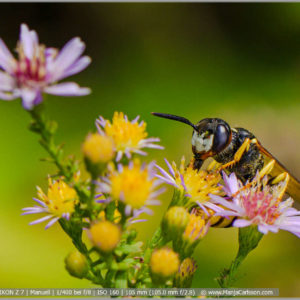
(105, 235)
(164, 263)
(76, 264)
(175, 221)
(195, 230)
(97, 150)
(185, 273)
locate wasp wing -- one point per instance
(293, 188)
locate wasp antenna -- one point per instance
(175, 118)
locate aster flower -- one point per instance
(58, 203)
(134, 185)
(128, 136)
(259, 205)
(194, 186)
(38, 69)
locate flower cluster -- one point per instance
(119, 187)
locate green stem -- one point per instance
(249, 237)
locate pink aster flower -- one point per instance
(259, 205)
(38, 69)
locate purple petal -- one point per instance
(51, 222)
(66, 57)
(7, 82)
(157, 193)
(119, 155)
(164, 173)
(241, 223)
(227, 204)
(9, 96)
(135, 119)
(77, 67)
(137, 221)
(127, 210)
(203, 208)
(29, 97)
(40, 220)
(7, 61)
(140, 152)
(170, 168)
(29, 41)
(67, 89)
(182, 182)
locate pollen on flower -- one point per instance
(105, 235)
(60, 198)
(128, 136)
(98, 148)
(194, 184)
(125, 133)
(59, 202)
(133, 185)
(164, 262)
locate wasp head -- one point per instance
(210, 135)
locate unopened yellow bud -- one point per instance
(185, 273)
(175, 221)
(76, 264)
(196, 229)
(105, 235)
(98, 148)
(164, 262)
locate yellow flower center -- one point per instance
(60, 199)
(105, 235)
(124, 133)
(98, 148)
(199, 184)
(164, 262)
(132, 185)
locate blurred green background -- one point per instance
(239, 62)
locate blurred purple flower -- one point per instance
(38, 69)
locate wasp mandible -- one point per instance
(237, 150)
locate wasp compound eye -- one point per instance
(222, 137)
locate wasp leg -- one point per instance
(267, 168)
(238, 154)
(283, 177)
(212, 165)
